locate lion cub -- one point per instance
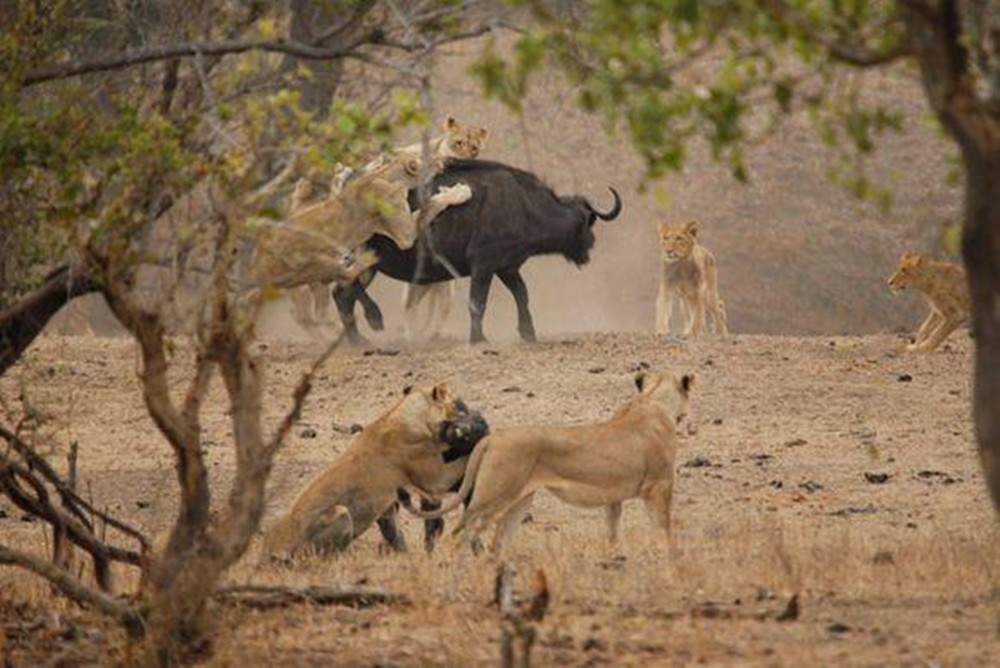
(688, 274)
(947, 292)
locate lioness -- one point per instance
(688, 273)
(946, 289)
(400, 449)
(631, 455)
(311, 305)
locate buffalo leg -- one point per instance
(345, 297)
(373, 314)
(390, 531)
(479, 292)
(432, 528)
(525, 326)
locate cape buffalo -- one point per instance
(511, 217)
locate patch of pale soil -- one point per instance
(837, 468)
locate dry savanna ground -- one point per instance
(835, 469)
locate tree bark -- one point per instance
(24, 320)
(967, 112)
(981, 251)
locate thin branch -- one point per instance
(40, 505)
(69, 496)
(295, 48)
(128, 616)
(191, 49)
(264, 597)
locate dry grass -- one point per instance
(771, 502)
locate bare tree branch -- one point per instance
(305, 51)
(264, 597)
(127, 615)
(190, 49)
(68, 496)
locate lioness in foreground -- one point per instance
(629, 456)
(688, 274)
(946, 289)
(401, 449)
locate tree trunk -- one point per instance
(966, 110)
(24, 320)
(981, 251)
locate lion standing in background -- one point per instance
(689, 275)
(946, 290)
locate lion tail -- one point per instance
(468, 482)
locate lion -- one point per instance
(311, 304)
(689, 274)
(318, 244)
(402, 449)
(629, 456)
(946, 289)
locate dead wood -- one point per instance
(266, 597)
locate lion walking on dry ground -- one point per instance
(631, 455)
(946, 290)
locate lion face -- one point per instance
(463, 141)
(677, 241)
(908, 273)
(667, 389)
(428, 410)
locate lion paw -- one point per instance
(455, 194)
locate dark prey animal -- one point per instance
(461, 435)
(511, 217)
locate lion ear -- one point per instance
(661, 226)
(483, 133)
(640, 380)
(451, 125)
(686, 383)
(439, 392)
(692, 228)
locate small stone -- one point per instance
(596, 369)
(883, 557)
(877, 478)
(904, 378)
(697, 462)
(308, 432)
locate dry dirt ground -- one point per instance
(837, 469)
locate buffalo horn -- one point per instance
(615, 210)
